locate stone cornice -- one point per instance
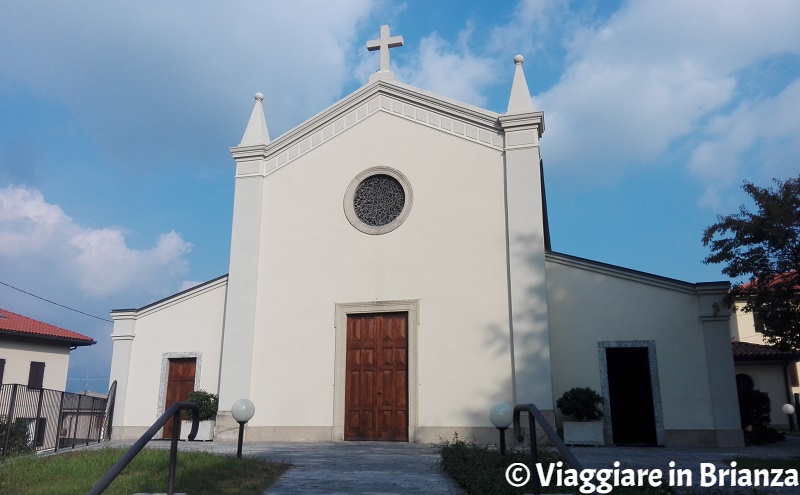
(442, 114)
(246, 153)
(520, 121)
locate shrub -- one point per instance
(762, 435)
(754, 409)
(754, 412)
(19, 441)
(207, 403)
(480, 469)
(581, 404)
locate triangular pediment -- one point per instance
(391, 97)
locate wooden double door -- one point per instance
(376, 385)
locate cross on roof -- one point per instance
(384, 43)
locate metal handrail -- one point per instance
(174, 411)
(534, 416)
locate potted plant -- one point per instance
(583, 406)
(208, 404)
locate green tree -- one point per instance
(765, 246)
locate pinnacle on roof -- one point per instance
(256, 132)
(520, 100)
(384, 43)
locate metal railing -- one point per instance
(40, 419)
(173, 412)
(535, 416)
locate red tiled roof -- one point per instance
(746, 351)
(14, 324)
(780, 278)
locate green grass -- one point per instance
(198, 473)
(793, 433)
(761, 463)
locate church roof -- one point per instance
(22, 326)
(257, 155)
(453, 117)
(634, 275)
(177, 297)
(747, 351)
(387, 95)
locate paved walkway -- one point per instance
(378, 468)
(375, 468)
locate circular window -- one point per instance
(378, 200)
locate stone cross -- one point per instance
(383, 44)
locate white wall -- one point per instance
(19, 353)
(587, 306)
(188, 324)
(769, 378)
(449, 254)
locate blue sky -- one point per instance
(116, 183)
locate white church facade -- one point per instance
(391, 278)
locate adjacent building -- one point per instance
(34, 353)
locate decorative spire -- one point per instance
(520, 101)
(256, 132)
(384, 43)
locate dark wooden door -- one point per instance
(376, 391)
(180, 382)
(630, 392)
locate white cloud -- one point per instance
(530, 26)
(61, 254)
(653, 74)
(451, 69)
(154, 82)
(757, 141)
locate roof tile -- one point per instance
(746, 351)
(17, 324)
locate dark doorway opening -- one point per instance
(630, 393)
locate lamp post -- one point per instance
(242, 411)
(501, 416)
(788, 410)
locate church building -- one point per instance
(391, 278)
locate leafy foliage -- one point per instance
(480, 469)
(764, 245)
(207, 402)
(19, 438)
(754, 412)
(754, 409)
(581, 403)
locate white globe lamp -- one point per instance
(501, 415)
(242, 411)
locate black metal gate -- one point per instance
(39, 419)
